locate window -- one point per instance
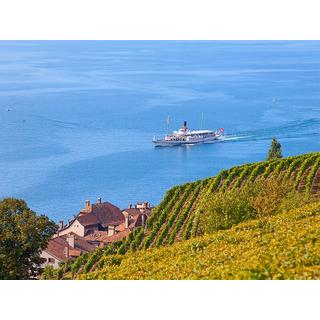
(51, 260)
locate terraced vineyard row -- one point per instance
(175, 218)
(284, 246)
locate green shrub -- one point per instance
(224, 209)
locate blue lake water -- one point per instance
(83, 114)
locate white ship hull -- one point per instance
(170, 143)
(184, 136)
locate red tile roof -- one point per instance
(81, 243)
(88, 219)
(136, 211)
(116, 237)
(56, 247)
(96, 235)
(132, 211)
(102, 236)
(101, 213)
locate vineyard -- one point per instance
(176, 217)
(286, 246)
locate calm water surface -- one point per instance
(83, 114)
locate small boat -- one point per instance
(184, 136)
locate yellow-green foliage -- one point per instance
(181, 213)
(285, 246)
(264, 197)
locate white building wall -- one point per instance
(75, 227)
(46, 256)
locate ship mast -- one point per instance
(168, 123)
(201, 121)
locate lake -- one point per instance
(78, 117)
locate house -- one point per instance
(96, 225)
(101, 216)
(65, 247)
(134, 217)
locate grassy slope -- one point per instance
(286, 246)
(176, 216)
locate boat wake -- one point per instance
(292, 130)
(234, 137)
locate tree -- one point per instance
(275, 150)
(23, 235)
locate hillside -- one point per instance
(286, 246)
(177, 217)
(174, 219)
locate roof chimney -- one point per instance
(111, 231)
(60, 225)
(70, 240)
(126, 219)
(130, 206)
(87, 203)
(66, 252)
(99, 200)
